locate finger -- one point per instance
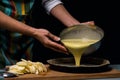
(59, 48)
(90, 22)
(53, 37)
(56, 47)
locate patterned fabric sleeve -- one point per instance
(49, 4)
(8, 7)
(17, 9)
(14, 46)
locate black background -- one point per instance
(104, 14)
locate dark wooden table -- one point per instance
(56, 75)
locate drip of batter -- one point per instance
(77, 47)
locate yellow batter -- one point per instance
(77, 47)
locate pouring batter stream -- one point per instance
(77, 47)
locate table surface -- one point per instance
(53, 75)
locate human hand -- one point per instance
(89, 23)
(49, 40)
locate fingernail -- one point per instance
(58, 39)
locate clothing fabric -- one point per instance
(50, 4)
(16, 8)
(14, 46)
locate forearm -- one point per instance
(64, 16)
(56, 8)
(11, 24)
